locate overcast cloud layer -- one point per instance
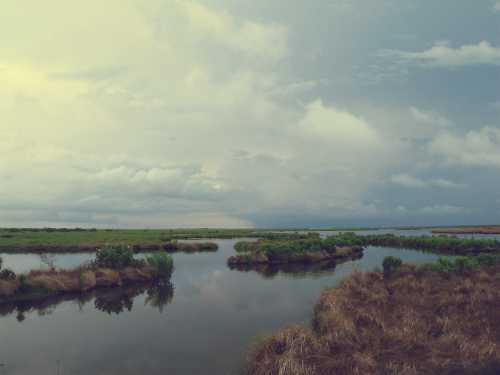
(164, 113)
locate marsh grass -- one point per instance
(441, 244)
(163, 263)
(441, 319)
(46, 240)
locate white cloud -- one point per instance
(252, 37)
(443, 55)
(157, 113)
(430, 118)
(167, 112)
(476, 148)
(410, 181)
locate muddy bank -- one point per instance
(170, 247)
(259, 257)
(41, 284)
(413, 322)
(468, 230)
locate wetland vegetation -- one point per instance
(440, 318)
(438, 244)
(112, 267)
(55, 240)
(310, 250)
(282, 274)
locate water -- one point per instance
(204, 325)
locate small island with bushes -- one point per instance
(112, 267)
(306, 251)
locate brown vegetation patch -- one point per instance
(8, 287)
(107, 277)
(415, 322)
(41, 282)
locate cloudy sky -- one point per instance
(165, 113)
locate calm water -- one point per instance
(204, 324)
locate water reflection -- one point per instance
(108, 300)
(215, 310)
(291, 270)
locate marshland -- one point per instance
(172, 326)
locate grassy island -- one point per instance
(439, 244)
(306, 251)
(440, 318)
(113, 267)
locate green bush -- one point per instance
(391, 264)
(461, 264)
(163, 263)
(245, 246)
(6, 274)
(119, 257)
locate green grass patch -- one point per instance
(442, 244)
(12, 238)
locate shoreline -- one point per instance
(40, 284)
(412, 318)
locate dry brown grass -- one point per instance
(412, 323)
(47, 282)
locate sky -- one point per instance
(229, 113)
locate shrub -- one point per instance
(391, 264)
(7, 274)
(461, 264)
(116, 258)
(23, 283)
(163, 263)
(246, 246)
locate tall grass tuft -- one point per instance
(163, 263)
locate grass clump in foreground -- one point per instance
(437, 319)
